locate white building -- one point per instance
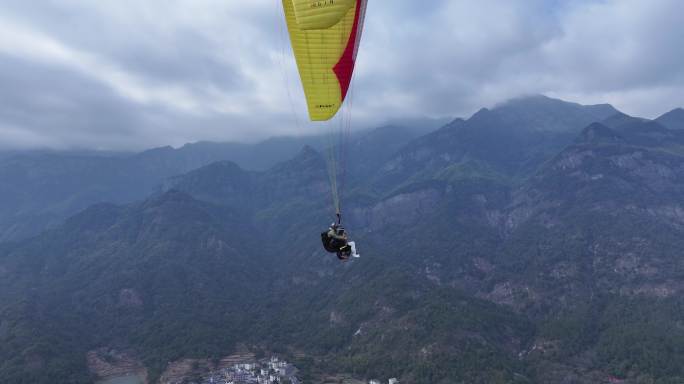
(393, 381)
(374, 382)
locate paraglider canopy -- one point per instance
(325, 36)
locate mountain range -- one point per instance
(535, 242)
(42, 188)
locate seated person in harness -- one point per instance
(335, 241)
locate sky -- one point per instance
(130, 74)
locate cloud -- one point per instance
(129, 74)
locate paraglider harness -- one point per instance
(335, 241)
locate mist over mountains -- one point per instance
(538, 241)
(42, 188)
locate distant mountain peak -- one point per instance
(676, 111)
(597, 132)
(307, 155)
(157, 151)
(673, 119)
(530, 100)
(220, 170)
(621, 119)
(541, 113)
(308, 159)
(483, 113)
(534, 97)
(539, 100)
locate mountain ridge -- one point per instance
(673, 119)
(560, 267)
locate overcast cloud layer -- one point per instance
(130, 74)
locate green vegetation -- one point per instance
(491, 254)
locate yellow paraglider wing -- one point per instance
(325, 35)
(320, 14)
